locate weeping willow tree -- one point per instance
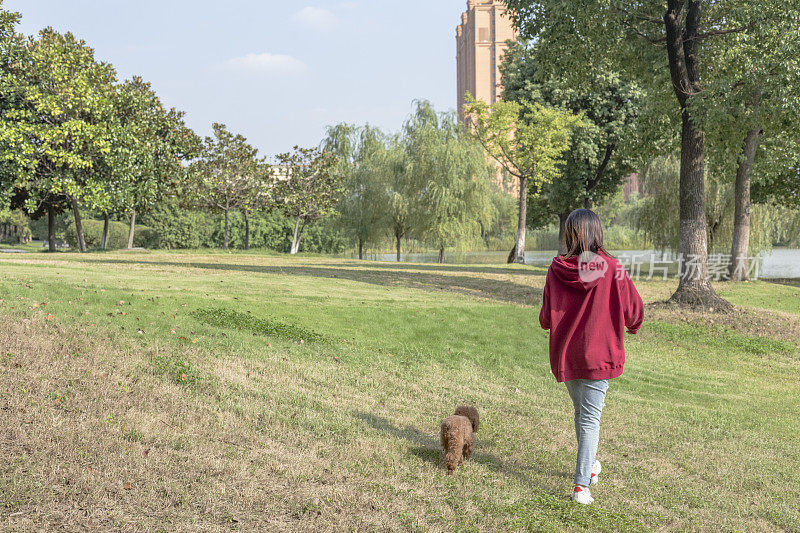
(452, 176)
(365, 166)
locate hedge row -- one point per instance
(144, 237)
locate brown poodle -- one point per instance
(458, 437)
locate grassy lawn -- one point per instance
(213, 392)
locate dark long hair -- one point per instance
(583, 232)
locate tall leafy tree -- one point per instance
(13, 145)
(528, 140)
(224, 175)
(60, 118)
(599, 156)
(307, 187)
(673, 47)
(751, 110)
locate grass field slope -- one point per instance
(217, 392)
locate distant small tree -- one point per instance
(528, 141)
(306, 187)
(224, 175)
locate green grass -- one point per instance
(210, 392)
(33, 246)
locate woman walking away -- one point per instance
(589, 302)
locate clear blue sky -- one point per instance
(276, 71)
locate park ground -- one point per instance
(213, 392)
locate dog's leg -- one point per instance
(469, 445)
(452, 443)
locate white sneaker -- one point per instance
(582, 495)
(595, 472)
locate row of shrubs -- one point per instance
(188, 229)
(173, 229)
(143, 237)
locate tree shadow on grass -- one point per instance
(529, 270)
(429, 448)
(494, 289)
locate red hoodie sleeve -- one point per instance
(633, 306)
(544, 313)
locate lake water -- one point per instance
(778, 263)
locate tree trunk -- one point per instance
(522, 222)
(296, 237)
(562, 233)
(226, 238)
(78, 225)
(51, 228)
(441, 255)
(694, 287)
(738, 269)
(682, 22)
(398, 237)
(588, 203)
(104, 241)
(360, 248)
(132, 229)
(512, 254)
(246, 213)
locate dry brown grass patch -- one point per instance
(94, 439)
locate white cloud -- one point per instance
(267, 63)
(348, 5)
(317, 18)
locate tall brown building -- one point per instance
(481, 40)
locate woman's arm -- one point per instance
(633, 306)
(544, 313)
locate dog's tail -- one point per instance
(471, 413)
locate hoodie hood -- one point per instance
(583, 272)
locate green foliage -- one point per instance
(229, 175)
(452, 176)
(600, 151)
(39, 226)
(307, 187)
(363, 164)
(656, 212)
(527, 139)
(144, 237)
(181, 228)
(178, 227)
(14, 227)
(150, 145)
(227, 318)
(62, 108)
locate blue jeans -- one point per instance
(588, 397)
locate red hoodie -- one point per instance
(586, 307)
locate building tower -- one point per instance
(481, 42)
